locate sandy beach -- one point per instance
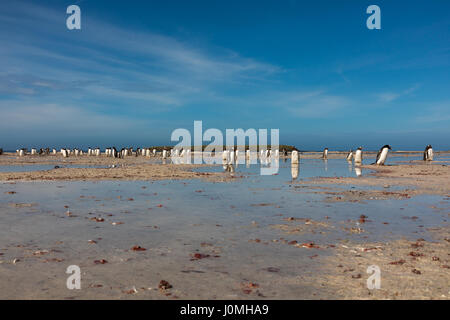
(135, 227)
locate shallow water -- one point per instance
(251, 197)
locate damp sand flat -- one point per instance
(254, 237)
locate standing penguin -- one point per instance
(294, 157)
(350, 156)
(382, 155)
(358, 156)
(325, 153)
(225, 157)
(428, 153)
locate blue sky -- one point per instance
(137, 70)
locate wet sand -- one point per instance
(129, 168)
(417, 269)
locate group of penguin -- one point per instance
(381, 155)
(227, 156)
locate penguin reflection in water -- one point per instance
(382, 155)
(294, 171)
(228, 167)
(428, 153)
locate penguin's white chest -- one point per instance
(383, 156)
(358, 156)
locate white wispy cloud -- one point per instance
(391, 96)
(104, 60)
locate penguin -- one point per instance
(350, 156)
(382, 155)
(231, 159)
(325, 153)
(294, 157)
(164, 154)
(358, 156)
(277, 153)
(1, 151)
(428, 153)
(33, 151)
(225, 157)
(21, 152)
(54, 151)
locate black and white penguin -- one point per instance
(428, 153)
(350, 156)
(294, 157)
(325, 153)
(1, 151)
(382, 155)
(65, 153)
(358, 156)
